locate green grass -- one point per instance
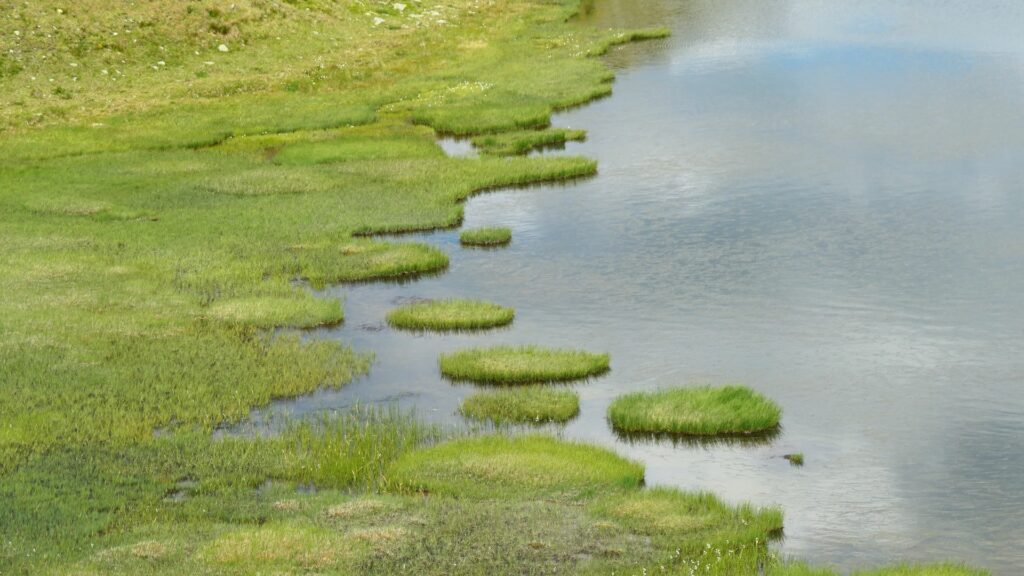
(450, 315)
(500, 466)
(796, 459)
(695, 411)
(522, 365)
(522, 405)
(494, 236)
(523, 141)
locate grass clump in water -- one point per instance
(701, 411)
(450, 315)
(505, 467)
(796, 459)
(529, 404)
(522, 365)
(523, 141)
(498, 236)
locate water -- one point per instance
(822, 200)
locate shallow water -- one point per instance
(822, 200)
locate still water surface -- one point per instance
(822, 200)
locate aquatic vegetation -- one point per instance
(522, 364)
(522, 405)
(523, 141)
(502, 466)
(796, 459)
(450, 315)
(695, 411)
(486, 237)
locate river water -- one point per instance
(821, 200)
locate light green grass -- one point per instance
(495, 236)
(500, 466)
(450, 315)
(522, 365)
(695, 411)
(271, 311)
(522, 405)
(523, 141)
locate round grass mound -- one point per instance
(522, 365)
(450, 315)
(506, 466)
(486, 237)
(525, 405)
(689, 519)
(706, 411)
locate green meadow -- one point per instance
(175, 178)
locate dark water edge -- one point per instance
(822, 200)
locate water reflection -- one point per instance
(819, 199)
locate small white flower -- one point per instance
(223, 48)
(398, 6)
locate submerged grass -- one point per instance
(450, 315)
(486, 237)
(695, 411)
(522, 405)
(522, 365)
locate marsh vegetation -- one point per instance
(453, 314)
(522, 365)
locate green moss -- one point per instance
(522, 364)
(527, 404)
(500, 466)
(523, 141)
(486, 237)
(695, 411)
(450, 315)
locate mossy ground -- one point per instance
(486, 237)
(522, 365)
(522, 405)
(704, 411)
(444, 315)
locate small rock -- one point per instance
(223, 48)
(378, 21)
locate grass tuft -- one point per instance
(525, 405)
(498, 236)
(450, 315)
(522, 365)
(695, 411)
